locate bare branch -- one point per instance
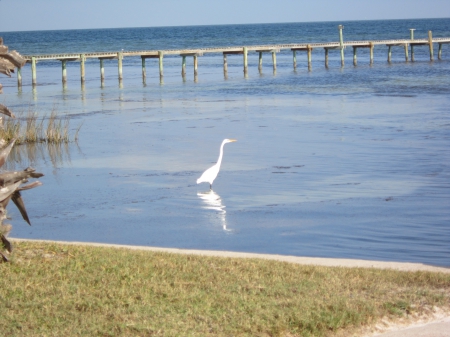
(4, 110)
(8, 178)
(6, 67)
(14, 57)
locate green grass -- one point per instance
(64, 290)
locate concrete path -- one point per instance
(438, 328)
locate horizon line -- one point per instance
(226, 24)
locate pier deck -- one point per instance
(218, 50)
(235, 50)
(112, 55)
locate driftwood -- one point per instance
(4, 153)
(4, 110)
(14, 57)
(9, 60)
(11, 183)
(6, 67)
(8, 178)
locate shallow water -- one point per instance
(350, 162)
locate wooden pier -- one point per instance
(340, 45)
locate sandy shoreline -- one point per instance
(327, 262)
(436, 324)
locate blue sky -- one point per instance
(17, 15)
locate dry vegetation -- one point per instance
(31, 129)
(61, 290)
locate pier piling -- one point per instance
(274, 60)
(237, 52)
(309, 52)
(161, 71)
(33, 71)
(294, 56)
(225, 64)
(64, 68)
(355, 61)
(19, 77)
(260, 61)
(245, 51)
(102, 71)
(405, 47)
(371, 45)
(412, 45)
(274, 57)
(144, 67)
(430, 43)
(327, 52)
(341, 43)
(183, 66)
(144, 71)
(119, 65)
(440, 52)
(82, 68)
(195, 65)
(64, 71)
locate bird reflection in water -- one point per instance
(212, 201)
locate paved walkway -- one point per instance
(438, 328)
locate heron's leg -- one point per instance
(210, 186)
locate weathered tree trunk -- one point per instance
(8, 62)
(4, 110)
(11, 181)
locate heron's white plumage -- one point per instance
(210, 174)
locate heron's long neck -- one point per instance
(219, 161)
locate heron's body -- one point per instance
(210, 174)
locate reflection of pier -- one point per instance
(213, 202)
(244, 50)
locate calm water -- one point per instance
(342, 162)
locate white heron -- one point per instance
(210, 174)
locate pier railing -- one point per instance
(406, 44)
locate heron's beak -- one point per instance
(233, 140)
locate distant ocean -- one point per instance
(349, 162)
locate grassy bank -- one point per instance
(61, 290)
